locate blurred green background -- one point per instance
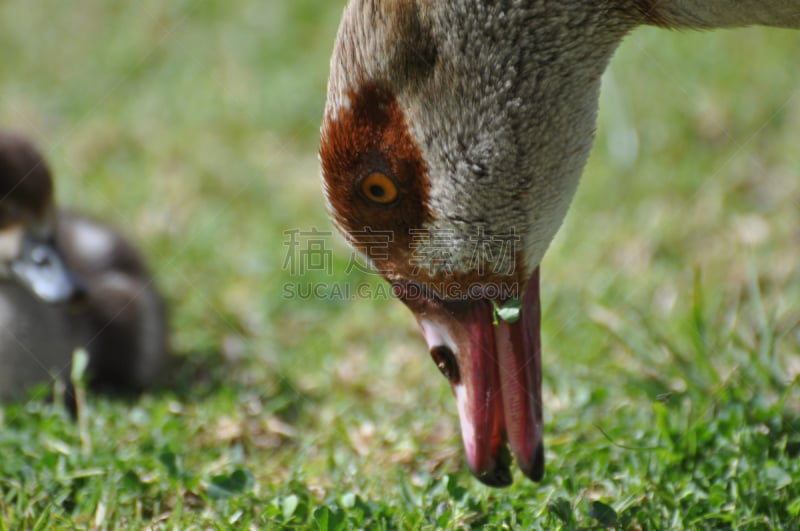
(670, 297)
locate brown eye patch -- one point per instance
(378, 188)
(374, 175)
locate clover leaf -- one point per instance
(508, 312)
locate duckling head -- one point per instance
(28, 252)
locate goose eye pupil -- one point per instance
(378, 188)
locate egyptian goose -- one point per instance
(67, 281)
(460, 129)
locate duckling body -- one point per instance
(68, 282)
(36, 340)
(123, 321)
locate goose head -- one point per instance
(29, 255)
(452, 142)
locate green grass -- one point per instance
(671, 316)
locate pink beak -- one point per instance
(495, 373)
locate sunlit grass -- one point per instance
(671, 338)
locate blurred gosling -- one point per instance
(66, 282)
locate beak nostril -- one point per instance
(444, 358)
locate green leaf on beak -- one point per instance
(509, 312)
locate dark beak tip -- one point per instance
(535, 469)
(497, 473)
(79, 297)
(500, 476)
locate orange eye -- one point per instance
(379, 188)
